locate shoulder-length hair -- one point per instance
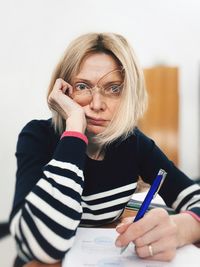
(134, 98)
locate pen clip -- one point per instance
(163, 173)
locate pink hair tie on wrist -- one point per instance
(194, 215)
(75, 134)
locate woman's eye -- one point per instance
(115, 89)
(81, 86)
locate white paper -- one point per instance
(95, 247)
(141, 196)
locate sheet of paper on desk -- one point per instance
(141, 196)
(94, 247)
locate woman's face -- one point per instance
(97, 88)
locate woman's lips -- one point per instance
(95, 121)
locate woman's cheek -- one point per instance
(81, 100)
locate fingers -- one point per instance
(122, 227)
(165, 226)
(164, 256)
(66, 88)
(155, 233)
(128, 220)
(60, 100)
(140, 228)
(62, 85)
(164, 249)
(60, 89)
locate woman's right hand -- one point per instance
(60, 101)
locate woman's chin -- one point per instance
(94, 130)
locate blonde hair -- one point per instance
(134, 97)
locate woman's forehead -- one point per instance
(100, 62)
(99, 66)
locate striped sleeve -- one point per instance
(45, 226)
(178, 190)
(188, 200)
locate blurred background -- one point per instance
(166, 38)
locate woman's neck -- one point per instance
(95, 151)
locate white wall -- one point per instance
(34, 33)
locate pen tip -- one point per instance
(122, 250)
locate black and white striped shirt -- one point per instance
(59, 187)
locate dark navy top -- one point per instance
(59, 187)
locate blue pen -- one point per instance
(155, 187)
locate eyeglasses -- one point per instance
(110, 86)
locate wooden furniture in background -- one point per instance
(161, 119)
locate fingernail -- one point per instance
(118, 243)
(119, 225)
(58, 81)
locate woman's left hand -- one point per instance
(155, 235)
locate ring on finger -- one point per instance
(150, 250)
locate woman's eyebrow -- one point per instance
(108, 78)
(82, 79)
(111, 82)
(99, 82)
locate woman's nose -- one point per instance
(97, 103)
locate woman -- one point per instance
(82, 166)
